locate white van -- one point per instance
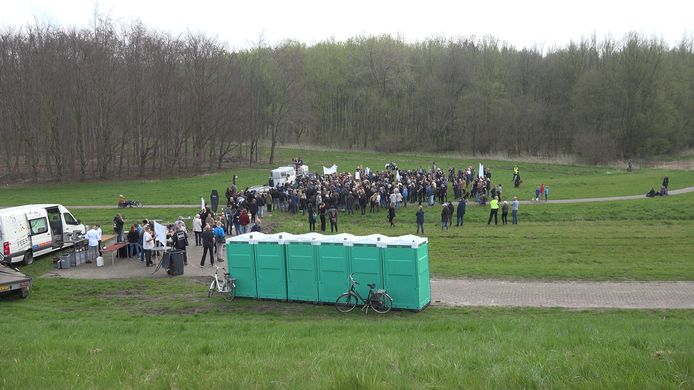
(282, 175)
(33, 230)
(286, 174)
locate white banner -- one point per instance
(356, 175)
(331, 170)
(160, 232)
(202, 203)
(480, 173)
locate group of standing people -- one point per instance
(494, 211)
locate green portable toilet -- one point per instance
(271, 266)
(241, 263)
(406, 271)
(302, 267)
(366, 262)
(333, 267)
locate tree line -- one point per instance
(128, 101)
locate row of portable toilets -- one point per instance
(315, 268)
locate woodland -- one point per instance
(125, 100)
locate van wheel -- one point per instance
(23, 293)
(28, 258)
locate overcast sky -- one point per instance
(545, 23)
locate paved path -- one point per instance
(580, 200)
(463, 292)
(568, 294)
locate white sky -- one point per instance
(522, 23)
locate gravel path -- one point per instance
(461, 292)
(566, 294)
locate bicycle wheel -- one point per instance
(346, 303)
(382, 304)
(231, 294)
(211, 290)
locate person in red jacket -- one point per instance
(244, 221)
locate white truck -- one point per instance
(33, 230)
(286, 174)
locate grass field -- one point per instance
(565, 181)
(648, 239)
(167, 334)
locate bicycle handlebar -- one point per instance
(351, 279)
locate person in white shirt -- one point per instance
(93, 237)
(100, 233)
(197, 229)
(148, 245)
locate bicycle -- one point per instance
(226, 286)
(130, 204)
(378, 300)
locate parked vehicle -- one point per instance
(378, 300)
(13, 281)
(286, 174)
(33, 230)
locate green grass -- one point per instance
(565, 181)
(648, 239)
(167, 334)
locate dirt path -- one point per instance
(579, 200)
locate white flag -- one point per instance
(202, 203)
(356, 175)
(331, 170)
(397, 175)
(480, 173)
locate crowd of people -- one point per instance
(320, 198)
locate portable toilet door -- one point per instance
(333, 268)
(241, 263)
(302, 267)
(406, 272)
(271, 267)
(366, 262)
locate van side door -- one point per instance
(39, 232)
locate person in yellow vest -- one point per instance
(493, 211)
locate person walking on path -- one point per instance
(147, 245)
(542, 190)
(445, 214)
(493, 211)
(391, 214)
(219, 238)
(514, 210)
(197, 229)
(504, 213)
(332, 215)
(460, 212)
(420, 220)
(207, 245)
